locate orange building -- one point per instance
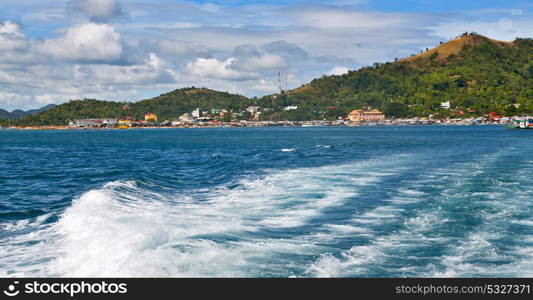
(150, 117)
(366, 116)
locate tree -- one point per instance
(395, 109)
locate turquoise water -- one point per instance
(267, 202)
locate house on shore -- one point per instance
(358, 115)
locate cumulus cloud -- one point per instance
(88, 42)
(11, 38)
(153, 70)
(97, 10)
(213, 68)
(338, 71)
(56, 83)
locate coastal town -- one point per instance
(357, 117)
(213, 118)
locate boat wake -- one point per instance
(379, 217)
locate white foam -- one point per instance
(124, 230)
(524, 222)
(345, 228)
(288, 149)
(475, 247)
(359, 260)
(480, 253)
(326, 266)
(411, 192)
(353, 262)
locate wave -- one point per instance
(387, 216)
(457, 230)
(254, 229)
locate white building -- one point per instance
(446, 105)
(291, 107)
(196, 113)
(252, 109)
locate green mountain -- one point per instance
(476, 74)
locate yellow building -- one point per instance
(150, 117)
(366, 116)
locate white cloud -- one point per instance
(11, 38)
(263, 62)
(9, 27)
(97, 10)
(56, 83)
(153, 70)
(88, 42)
(213, 68)
(338, 71)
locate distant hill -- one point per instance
(167, 107)
(4, 114)
(170, 105)
(476, 74)
(18, 113)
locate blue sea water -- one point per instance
(429, 201)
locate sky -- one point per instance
(52, 51)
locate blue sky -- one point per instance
(55, 50)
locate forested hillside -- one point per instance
(167, 107)
(476, 74)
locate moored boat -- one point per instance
(526, 123)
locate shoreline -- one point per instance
(246, 125)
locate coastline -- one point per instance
(305, 124)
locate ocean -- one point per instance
(381, 201)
